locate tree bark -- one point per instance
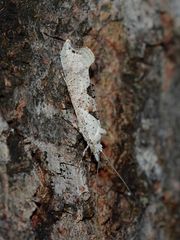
(48, 189)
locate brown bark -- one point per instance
(48, 189)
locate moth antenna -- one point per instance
(55, 37)
(125, 184)
(97, 178)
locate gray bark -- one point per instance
(48, 190)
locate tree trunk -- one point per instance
(48, 189)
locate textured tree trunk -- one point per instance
(48, 189)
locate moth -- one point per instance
(76, 63)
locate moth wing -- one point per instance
(87, 56)
(91, 126)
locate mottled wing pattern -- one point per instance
(76, 63)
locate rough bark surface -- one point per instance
(48, 190)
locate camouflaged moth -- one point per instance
(76, 63)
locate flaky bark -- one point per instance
(48, 189)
